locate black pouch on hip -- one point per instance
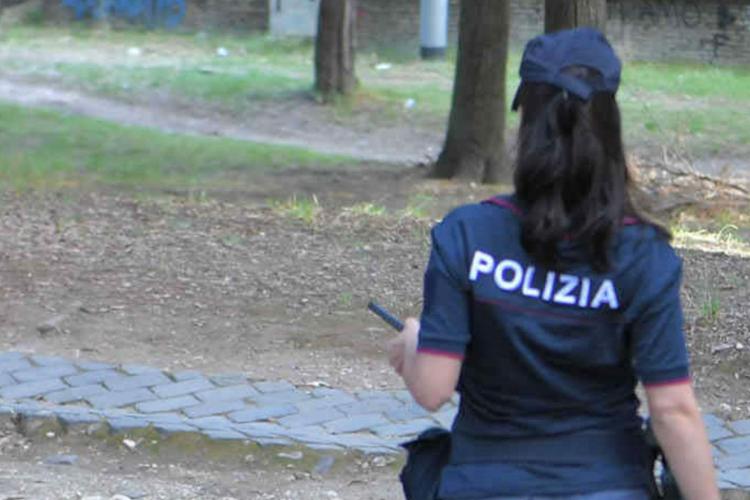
(427, 455)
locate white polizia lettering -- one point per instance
(515, 274)
(606, 295)
(567, 289)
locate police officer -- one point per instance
(546, 307)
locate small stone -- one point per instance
(61, 460)
(292, 455)
(379, 462)
(129, 444)
(324, 465)
(739, 346)
(51, 325)
(332, 494)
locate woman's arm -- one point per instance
(431, 378)
(679, 428)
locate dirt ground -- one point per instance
(70, 469)
(229, 283)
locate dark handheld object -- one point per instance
(386, 316)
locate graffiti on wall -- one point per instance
(152, 13)
(721, 24)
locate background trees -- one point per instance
(475, 142)
(566, 14)
(334, 48)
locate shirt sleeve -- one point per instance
(445, 327)
(659, 352)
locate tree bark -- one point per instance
(567, 14)
(475, 142)
(334, 49)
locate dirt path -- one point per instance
(298, 122)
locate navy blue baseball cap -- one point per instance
(547, 56)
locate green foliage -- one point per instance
(304, 209)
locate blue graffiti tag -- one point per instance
(153, 13)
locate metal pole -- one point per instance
(433, 28)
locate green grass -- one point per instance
(704, 108)
(48, 149)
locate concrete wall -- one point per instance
(694, 30)
(715, 31)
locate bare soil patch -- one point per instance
(233, 285)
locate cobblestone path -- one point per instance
(231, 407)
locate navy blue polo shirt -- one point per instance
(551, 358)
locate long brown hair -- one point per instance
(571, 176)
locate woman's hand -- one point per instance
(402, 349)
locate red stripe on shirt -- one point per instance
(438, 352)
(664, 383)
(501, 202)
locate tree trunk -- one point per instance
(567, 14)
(475, 143)
(334, 49)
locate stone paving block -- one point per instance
(6, 379)
(280, 398)
(359, 440)
(735, 461)
(734, 445)
(446, 417)
(118, 399)
(375, 395)
(235, 392)
(133, 369)
(73, 417)
(93, 377)
(403, 395)
(715, 427)
(311, 418)
(310, 435)
(320, 392)
(355, 423)
(94, 365)
(10, 355)
(72, 394)
(407, 412)
(372, 405)
(262, 413)
(123, 424)
(181, 388)
(172, 428)
(272, 441)
(405, 429)
(165, 418)
(256, 430)
(14, 365)
(741, 427)
(44, 373)
(136, 381)
(214, 408)
(324, 402)
(274, 386)
(32, 389)
(224, 435)
(49, 360)
(183, 375)
(168, 404)
(737, 477)
(212, 423)
(227, 379)
(32, 409)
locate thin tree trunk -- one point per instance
(334, 48)
(567, 14)
(475, 142)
